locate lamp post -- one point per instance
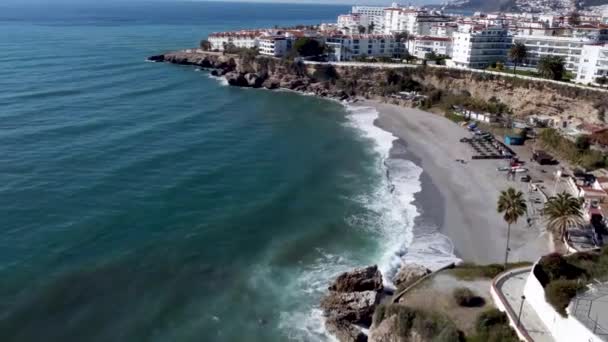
(521, 307)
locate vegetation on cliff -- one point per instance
(493, 326)
(420, 325)
(428, 326)
(565, 276)
(576, 153)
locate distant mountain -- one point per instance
(481, 5)
(523, 5)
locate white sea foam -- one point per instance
(221, 80)
(306, 322)
(393, 203)
(392, 221)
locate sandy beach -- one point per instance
(460, 199)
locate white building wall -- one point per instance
(274, 46)
(593, 64)
(218, 41)
(351, 22)
(480, 48)
(539, 46)
(562, 329)
(374, 14)
(420, 46)
(349, 47)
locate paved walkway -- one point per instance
(511, 286)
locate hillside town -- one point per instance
(479, 41)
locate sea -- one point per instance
(151, 202)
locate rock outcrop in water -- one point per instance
(351, 302)
(523, 97)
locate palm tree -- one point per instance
(513, 205)
(563, 211)
(552, 67)
(517, 54)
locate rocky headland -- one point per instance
(353, 297)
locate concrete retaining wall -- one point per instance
(563, 329)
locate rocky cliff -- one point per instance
(523, 97)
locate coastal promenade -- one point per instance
(507, 292)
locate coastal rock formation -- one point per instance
(361, 279)
(523, 97)
(271, 83)
(351, 302)
(253, 80)
(236, 79)
(352, 307)
(408, 274)
(344, 331)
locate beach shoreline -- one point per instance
(459, 200)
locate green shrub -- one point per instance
(575, 152)
(560, 292)
(493, 326)
(553, 266)
(490, 318)
(430, 326)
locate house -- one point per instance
(471, 115)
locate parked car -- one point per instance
(526, 179)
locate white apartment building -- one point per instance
(478, 47)
(593, 64)
(240, 39)
(444, 29)
(351, 22)
(422, 45)
(411, 20)
(370, 11)
(374, 15)
(276, 46)
(567, 44)
(347, 47)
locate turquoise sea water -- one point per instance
(148, 202)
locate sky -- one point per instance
(340, 2)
